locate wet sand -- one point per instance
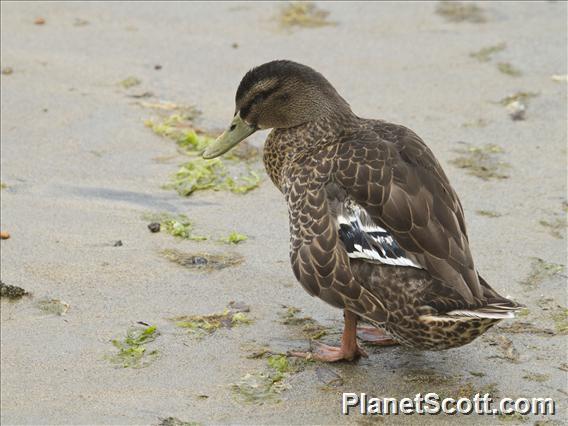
(81, 172)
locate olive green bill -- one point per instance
(237, 131)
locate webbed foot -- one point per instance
(375, 336)
(326, 353)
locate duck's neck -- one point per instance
(284, 145)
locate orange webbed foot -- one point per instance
(326, 353)
(375, 336)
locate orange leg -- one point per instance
(375, 336)
(348, 351)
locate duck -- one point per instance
(376, 229)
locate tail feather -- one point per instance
(499, 310)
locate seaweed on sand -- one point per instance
(304, 14)
(265, 386)
(202, 325)
(541, 270)
(176, 225)
(482, 162)
(456, 11)
(202, 261)
(132, 351)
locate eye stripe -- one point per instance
(261, 96)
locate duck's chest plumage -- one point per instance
(297, 149)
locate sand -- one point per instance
(81, 170)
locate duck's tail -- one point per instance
(497, 307)
(493, 311)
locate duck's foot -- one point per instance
(348, 351)
(375, 336)
(326, 353)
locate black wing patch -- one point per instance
(363, 239)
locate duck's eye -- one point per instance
(245, 110)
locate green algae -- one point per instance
(485, 54)
(479, 123)
(234, 238)
(201, 174)
(505, 347)
(507, 68)
(536, 377)
(514, 417)
(523, 327)
(179, 226)
(555, 227)
(522, 97)
(524, 312)
(174, 421)
(309, 327)
(469, 390)
(541, 271)
(201, 325)
(258, 388)
(202, 261)
(265, 386)
(456, 11)
(482, 161)
(53, 306)
(428, 377)
(132, 351)
(129, 82)
(179, 127)
(488, 213)
(560, 318)
(304, 14)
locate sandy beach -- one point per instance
(81, 170)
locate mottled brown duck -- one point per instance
(376, 229)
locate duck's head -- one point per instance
(278, 94)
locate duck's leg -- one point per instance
(375, 336)
(348, 351)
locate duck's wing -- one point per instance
(395, 178)
(319, 259)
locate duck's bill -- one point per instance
(237, 131)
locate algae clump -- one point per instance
(132, 350)
(53, 306)
(202, 261)
(173, 421)
(179, 226)
(522, 97)
(235, 238)
(560, 318)
(310, 328)
(456, 11)
(303, 14)
(555, 227)
(482, 161)
(200, 174)
(507, 68)
(261, 387)
(485, 53)
(541, 270)
(129, 82)
(179, 127)
(488, 213)
(202, 325)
